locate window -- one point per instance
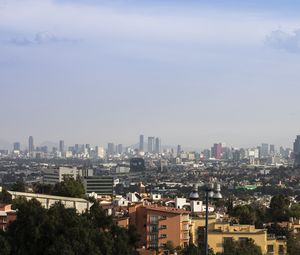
(243, 239)
(270, 248)
(153, 228)
(153, 219)
(186, 227)
(163, 227)
(227, 239)
(163, 236)
(281, 249)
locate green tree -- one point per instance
(69, 188)
(244, 213)
(279, 208)
(170, 246)
(19, 186)
(4, 245)
(61, 230)
(295, 211)
(293, 244)
(5, 197)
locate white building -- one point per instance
(55, 175)
(80, 204)
(133, 197)
(155, 197)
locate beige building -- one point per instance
(80, 204)
(218, 233)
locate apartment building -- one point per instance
(220, 232)
(158, 224)
(7, 215)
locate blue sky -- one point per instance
(191, 72)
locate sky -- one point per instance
(190, 72)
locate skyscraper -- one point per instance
(297, 151)
(30, 144)
(157, 145)
(17, 146)
(120, 148)
(179, 150)
(264, 150)
(141, 144)
(110, 149)
(217, 151)
(151, 144)
(61, 146)
(272, 149)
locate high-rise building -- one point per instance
(157, 145)
(216, 151)
(151, 144)
(120, 148)
(100, 152)
(141, 144)
(61, 146)
(110, 149)
(264, 150)
(179, 150)
(17, 146)
(272, 149)
(297, 151)
(30, 144)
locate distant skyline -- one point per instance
(190, 72)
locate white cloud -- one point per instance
(94, 22)
(38, 39)
(284, 40)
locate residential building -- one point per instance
(157, 225)
(220, 232)
(7, 215)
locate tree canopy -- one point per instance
(61, 230)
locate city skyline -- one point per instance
(155, 145)
(192, 73)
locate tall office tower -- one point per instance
(157, 145)
(141, 145)
(297, 151)
(17, 146)
(217, 151)
(264, 150)
(100, 152)
(110, 149)
(236, 155)
(151, 144)
(30, 144)
(61, 146)
(179, 150)
(272, 149)
(120, 148)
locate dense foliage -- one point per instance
(61, 230)
(67, 188)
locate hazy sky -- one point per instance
(190, 72)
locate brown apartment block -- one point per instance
(7, 215)
(158, 224)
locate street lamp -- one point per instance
(211, 191)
